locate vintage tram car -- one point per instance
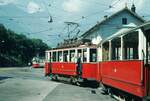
(125, 63)
(75, 62)
(38, 62)
(119, 63)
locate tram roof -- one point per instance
(73, 48)
(144, 26)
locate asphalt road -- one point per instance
(25, 84)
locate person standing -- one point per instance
(79, 65)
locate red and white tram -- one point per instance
(38, 62)
(64, 62)
(123, 65)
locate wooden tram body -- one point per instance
(64, 62)
(124, 65)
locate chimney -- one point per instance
(105, 17)
(133, 8)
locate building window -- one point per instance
(124, 21)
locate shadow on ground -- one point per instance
(89, 84)
(4, 77)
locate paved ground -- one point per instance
(25, 84)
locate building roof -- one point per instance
(100, 23)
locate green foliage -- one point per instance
(17, 49)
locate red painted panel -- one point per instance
(125, 86)
(47, 68)
(147, 80)
(124, 75)
(89, 70)
(99, 77)
(36, 65)
(64, 68)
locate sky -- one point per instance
(32, 17)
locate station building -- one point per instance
(120, 22)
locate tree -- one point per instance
(17, 49)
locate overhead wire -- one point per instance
(60, 33)
(29, 17)
(9, 18)
(50, 16)
(97, 3)
(46, 7)
(41, 31)
(92, 14)
(95, 13)
(115, 3)
(39, 16)
(13, 19)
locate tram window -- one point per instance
(54, 56)
(105, 51)
(93, 55)
(60, 58)
(79, 52)
(84, 55)
(49, 57)
(72, 55)
(66, 56)
(116, 53)
(131, 46)
(116, 49)
(129, 53)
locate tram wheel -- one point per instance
(52, 78)
(73, 80)
(78, 83)
(55, 77)
(110, 92)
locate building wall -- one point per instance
(111, 26)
